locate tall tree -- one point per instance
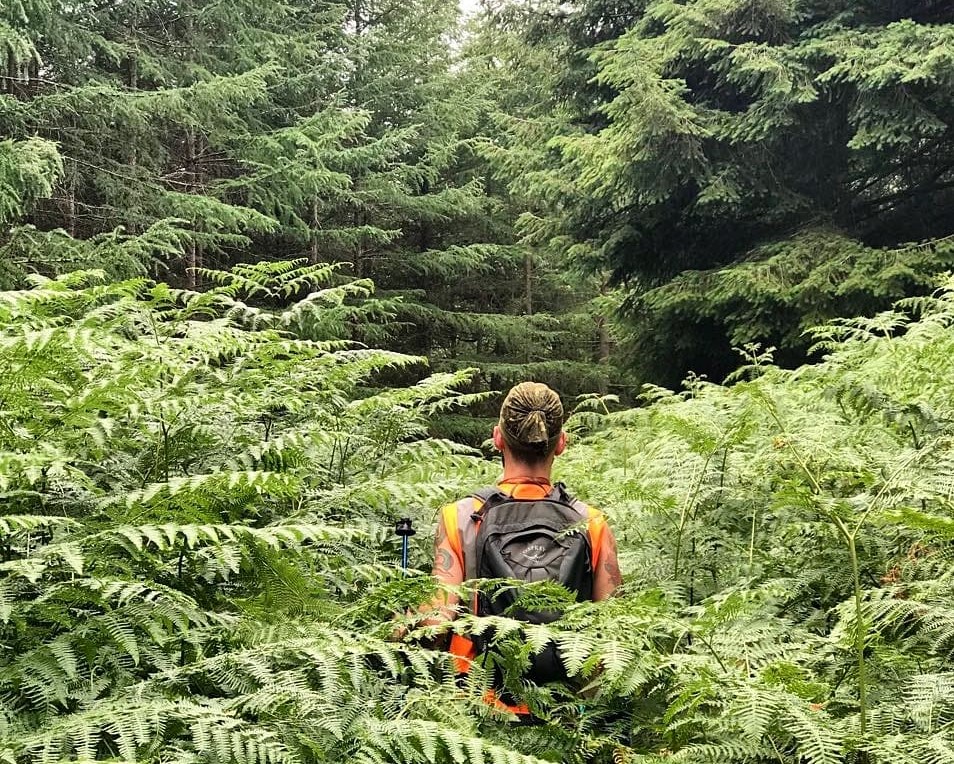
(196, 135)
(440, 225)
(133, 99)
(722, 127)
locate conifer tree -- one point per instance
(438, 226)
(28, 172)
(712, 131)
(136, 104)
(524, 112)
(197, 135)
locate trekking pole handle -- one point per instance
(405, 530)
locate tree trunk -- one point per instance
(605, 342)
(528, 282)
(192, 248)
(71, 202)
(198, 167)
(359, 247)
(313, 258)
(425, 231)
(11, 72)
(132, 82)
(33, 76)
(191, 259)
(132, 73)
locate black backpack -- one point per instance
(532, 540)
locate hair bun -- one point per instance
(531, 417)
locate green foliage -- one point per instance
(774, 296)
(198, 485)
(683, 145)
(28, 171)
(194, 136)
(796, 522)
(196, 499)
(196, 555)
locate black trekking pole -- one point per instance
(403, 529)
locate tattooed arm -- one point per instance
(448, 569)
(607, 576)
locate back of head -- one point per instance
(531, 420)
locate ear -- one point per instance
(560, 444)
(498, 438)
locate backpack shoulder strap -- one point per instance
(485, 494)
(595, 520)
(461, 526)
(481, 498)
(559, 493)
(458, 519)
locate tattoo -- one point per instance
(611, 565)
(444, 561)
(612, 570)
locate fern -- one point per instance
(198, 561)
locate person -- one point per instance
(529, 435)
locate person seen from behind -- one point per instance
(527, 528)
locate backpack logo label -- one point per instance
(534, 552)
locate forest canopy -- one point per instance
(710, 156)
(654, 183)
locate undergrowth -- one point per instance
(198, 560)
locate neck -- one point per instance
(514, 470)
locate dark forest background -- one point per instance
(596, 195)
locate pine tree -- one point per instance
(438, 227)
(156, 117)
(521, 118)
(716, 128)
(194, 135)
